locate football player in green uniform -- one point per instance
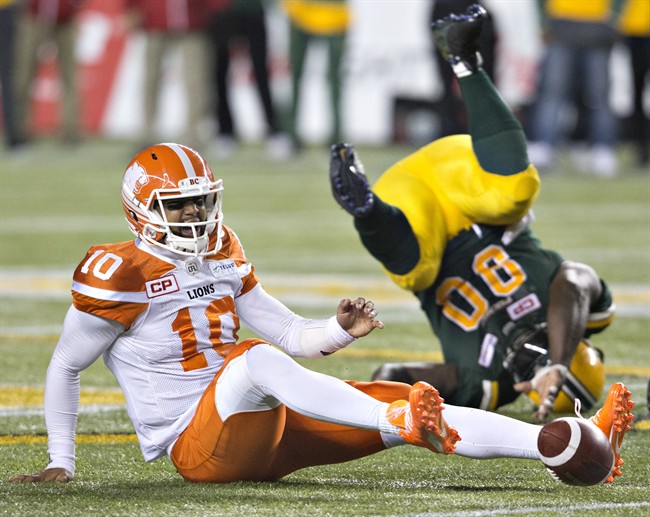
(450, 223)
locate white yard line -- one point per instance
(537, 509)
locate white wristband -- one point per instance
(323, 337)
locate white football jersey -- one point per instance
(180, 322)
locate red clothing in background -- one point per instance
(170, 15)
(53, 11)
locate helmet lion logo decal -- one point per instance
(136, 178)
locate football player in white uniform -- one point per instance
(164, 310)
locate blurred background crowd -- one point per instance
(216, 74)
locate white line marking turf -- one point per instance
(535, 510)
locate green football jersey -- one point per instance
(489, 289)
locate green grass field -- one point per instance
(55, 203)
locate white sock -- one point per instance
(490, 435)
(265, 377)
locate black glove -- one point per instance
(349, 182)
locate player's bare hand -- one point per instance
(358, 317)
(547, 382)
(56, 475)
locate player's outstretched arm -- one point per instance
(55, 475)
(357, 317)
(573, 289)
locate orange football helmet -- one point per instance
(172, 171)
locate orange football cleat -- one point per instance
(614, 420)
(421, 421)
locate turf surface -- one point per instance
(55, 203)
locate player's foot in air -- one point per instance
(349, 182)
(456, 37)
(421, 421)
(614, 419)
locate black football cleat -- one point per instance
(456, 37)
(349, 182)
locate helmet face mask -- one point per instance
(161, 174)
(585, 379)
(527, 354)
(198, 241)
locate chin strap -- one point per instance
(577, 408)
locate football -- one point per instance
(575, 451)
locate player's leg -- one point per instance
(216, 449)
(247, 412)
(497, 136)
(270, 376)
(484, 434)
(415, 410)
(307, 442)
(498, 142)
(491, 435)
